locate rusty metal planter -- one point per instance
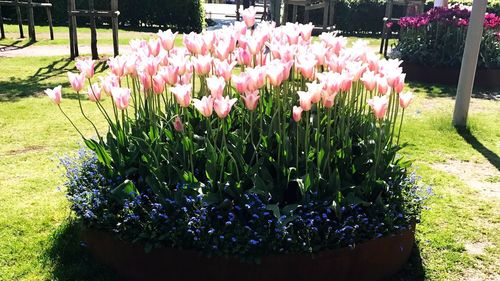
(489, 78)
(376, 259)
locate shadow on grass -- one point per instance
(491, 156)
(414, 269)
(16, 88)
(68, 258)
(16, 45)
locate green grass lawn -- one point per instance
(458, 238)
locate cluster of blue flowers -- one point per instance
(248, 228)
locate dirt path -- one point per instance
(56, 50)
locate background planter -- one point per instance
(449, 76)
(376, 259)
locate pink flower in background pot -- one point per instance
(55, 94)
(158, 84)
(167, 39)
(305, 100)
(369, 80)
(216, 86)
(94, 92)
(405, 99)
(182, 94)
(224, 69)
(76, 80)
(86, 66)
(204, 106)
(222, 106)
(251, 100)
(297, 113)
(121, 97)
(248, 16)
(202, 64)
(240, 82)
(379, 106)
(178, 126)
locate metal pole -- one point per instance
(469, 63)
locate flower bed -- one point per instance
(437, 38)
(300, 155)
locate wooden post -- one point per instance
(2, 31)
(31, 22)
(74, 25)
(49, 19)
(469, 63)
(19, 19)
(114, 25)
(93, 32)
(70, 27)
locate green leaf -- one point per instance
(102, 154)
(275, 209)
(125, 190)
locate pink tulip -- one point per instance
(336, 43)
(319, 52)
(216, 86)
(209, 39)
(244, 57)
(256, 78)
(167, 39)
(382, 85)
(331, 82)
(158, 84)
(224, 69)
(240, 28)
(399, 83)
(150, 65)
(222, 106)
(292, 33)
(187, 78)
(109, 82)
(369, 80)
(297, 113)
(55, 94)
(202, 64)
(253, 45)
(178, 126)
(195, 44)
(154, 47)
(275, 72)
(180, 62)
(251, 100)
(163, 58)
(121, 96)
(170, 74)
(223, 49)
(146, 82)
(346, 81)
(248, 16)
(94, 92)
(306, 31)
(138, 44)
(378, 105)
(405, 99)
(305, 99)
(131, 65)
(182, 94)
(240, 82)
(315, 89)
(117, 65)
(287, 67)
(77, 81)
(86, 66)
(355, 69)
(306, 65)
(204, 106)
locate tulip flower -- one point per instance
(399, 83)
(251, 100)
(181, 62)
(131, 65)
(202, 64)
(240, 82)
(297, 113)
(328, 100)
(275, 72)
(55, 94)
(216, 86)
(117, 65)
(256, 78)
(306, 65)
(223, 49)
(405, 99)
(121, 97)
(248, 16)
(158, 84)
(109, 82)
(154, 47)
(94, 92)
(194, 43)
(145, 80)
(209, 39)
(315, 89)
(222, 106)
(186, 78)
(182, 94)
(77, 81)
(150, 65)
(382, 85)
(204, 106)
(224, 69)
(244, 57)
(305, 99)
(346, 81)
(369, 80)
(167, 39)
(170, 74)
(306, 31)
(178, 126)
(379, 105)
(86, 66)
(319, 52)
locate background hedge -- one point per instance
(351, 16)
(182, 15)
